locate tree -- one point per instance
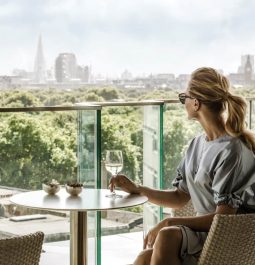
(178, 131)
(32, 149)
(91, 96)
(21, 99)
(107, 93)
(116, 134)
(38, 145)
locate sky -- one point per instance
(141, 36)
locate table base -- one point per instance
(78, 238)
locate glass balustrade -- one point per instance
(67, 143)
(135, 129)
(41, 144)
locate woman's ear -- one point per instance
(197, 104)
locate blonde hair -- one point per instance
(212, 89)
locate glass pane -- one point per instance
(87, 153)
(152, 168)
(87, 170)
(37, 147)
(178, 131)
(122, 228)
(40, 146)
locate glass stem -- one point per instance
(113, 192)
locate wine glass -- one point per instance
(114, 164)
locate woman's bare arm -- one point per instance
(200, 223)
(197, 223)
(168, 198)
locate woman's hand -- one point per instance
(150, 238)
(124, 183)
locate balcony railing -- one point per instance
(70, 142)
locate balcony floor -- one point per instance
(118, 249)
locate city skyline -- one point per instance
(143, 36)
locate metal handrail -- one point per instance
(127, 103)
(86, 106)
(98, 105)
(53, 108)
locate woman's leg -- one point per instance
(144, 258)
(167, 247)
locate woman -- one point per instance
(217, 173)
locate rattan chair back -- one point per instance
(231, 241)
(21, 250)
(186, 210)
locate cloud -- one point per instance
(142, 35)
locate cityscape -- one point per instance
(66, 73)
(79, 78)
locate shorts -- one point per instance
(192, 245)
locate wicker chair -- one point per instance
(230, 241)
(21, 250)
(186, 210)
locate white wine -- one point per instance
(114, 168)
(114, 164)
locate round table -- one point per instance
(88, 200)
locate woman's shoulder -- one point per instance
(197, 139)
(235, 144)
(224, 145)
(235, 147)
(196, 143)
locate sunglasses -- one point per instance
(182, 97)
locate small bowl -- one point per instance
(73, 191)
(51, 189)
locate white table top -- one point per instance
(88, 200)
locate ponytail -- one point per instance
(235, 123)
(212, 89)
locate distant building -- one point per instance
(245, 75)
(182, 81)
(154, 81)
(161, 80)
(39, 66)
(23, 74)
(9, 82)
(165, 77)
(248, 71)
(65, 67)
(126, 75)
(83, 73)
(244, 59)
(236, 79)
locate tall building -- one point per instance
(248, 71)
(244, 59)
(245, 75)
(39, 66)
(83, 73)
(65, 67)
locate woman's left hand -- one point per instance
(150, 238)
(124, 183)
